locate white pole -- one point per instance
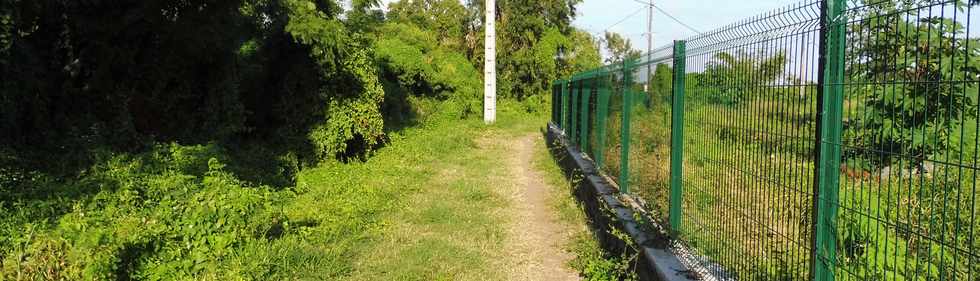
(490, 65)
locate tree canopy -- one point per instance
(914, 105)
(307, 72)
(620, 48)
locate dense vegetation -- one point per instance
(173, 139)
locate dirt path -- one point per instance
(536, 236)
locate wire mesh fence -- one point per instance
(826, 140)
(909, 142)
(750, 139)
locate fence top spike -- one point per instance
(748, 29)
(776, 21)
(796, 13)
(814, 10)
(787, 17)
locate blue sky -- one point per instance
(597, 15)
(704, 15)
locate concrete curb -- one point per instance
(608, 210)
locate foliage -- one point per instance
(364, 16)
(419, 65)
(583, 53)
(352, 120)
(734, 76)
(918, 115)
(661, 86)
(171, 213)
(444, 18)
(353, 123)
(619, 47)
(6, 32)
(91, 70)
(167, 139)
(523, 25)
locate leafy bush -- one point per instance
(914, 103)
(173, 213)
(352, 122)
(413, 58)
(733, 77)
(595, 264)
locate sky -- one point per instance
(704, 15)
(595, 16)
(598, 15)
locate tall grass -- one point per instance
(748, 181)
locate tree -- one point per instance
(581, 53)
(121, 73)
(916, 116)
(522, 65)
(619, 48)
(349, 89)
(732, 77)
(414, 64)
(446, 18)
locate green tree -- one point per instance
(581, 53)
(619, 48)
(732, 77)
(364, 16)
(446, 18)
(416, 64)
(350, 89)
(101, 72)
(661, 85)
(522, 65)
(916, 116)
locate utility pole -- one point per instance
(490, 64)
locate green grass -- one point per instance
(743, 181)
(422, 208)
(591, 261)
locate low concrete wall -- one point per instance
(608, 210)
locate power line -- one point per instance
(620, 21)
(669, 16)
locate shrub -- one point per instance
(172, 213)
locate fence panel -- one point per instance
(828, 140)
(597, 140)
(649, 153)
(749, 138)
(907, 197)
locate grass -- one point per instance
(424, 207)
(591, 260)
(748, 176)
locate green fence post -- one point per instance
(563, 96)
(830, 96)
(584, 118)
(677, 136)
(555, 102)
(602, 109)
(573, 106)
(565, 111)
(624, 150)
(554, 99)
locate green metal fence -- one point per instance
(828, 140)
